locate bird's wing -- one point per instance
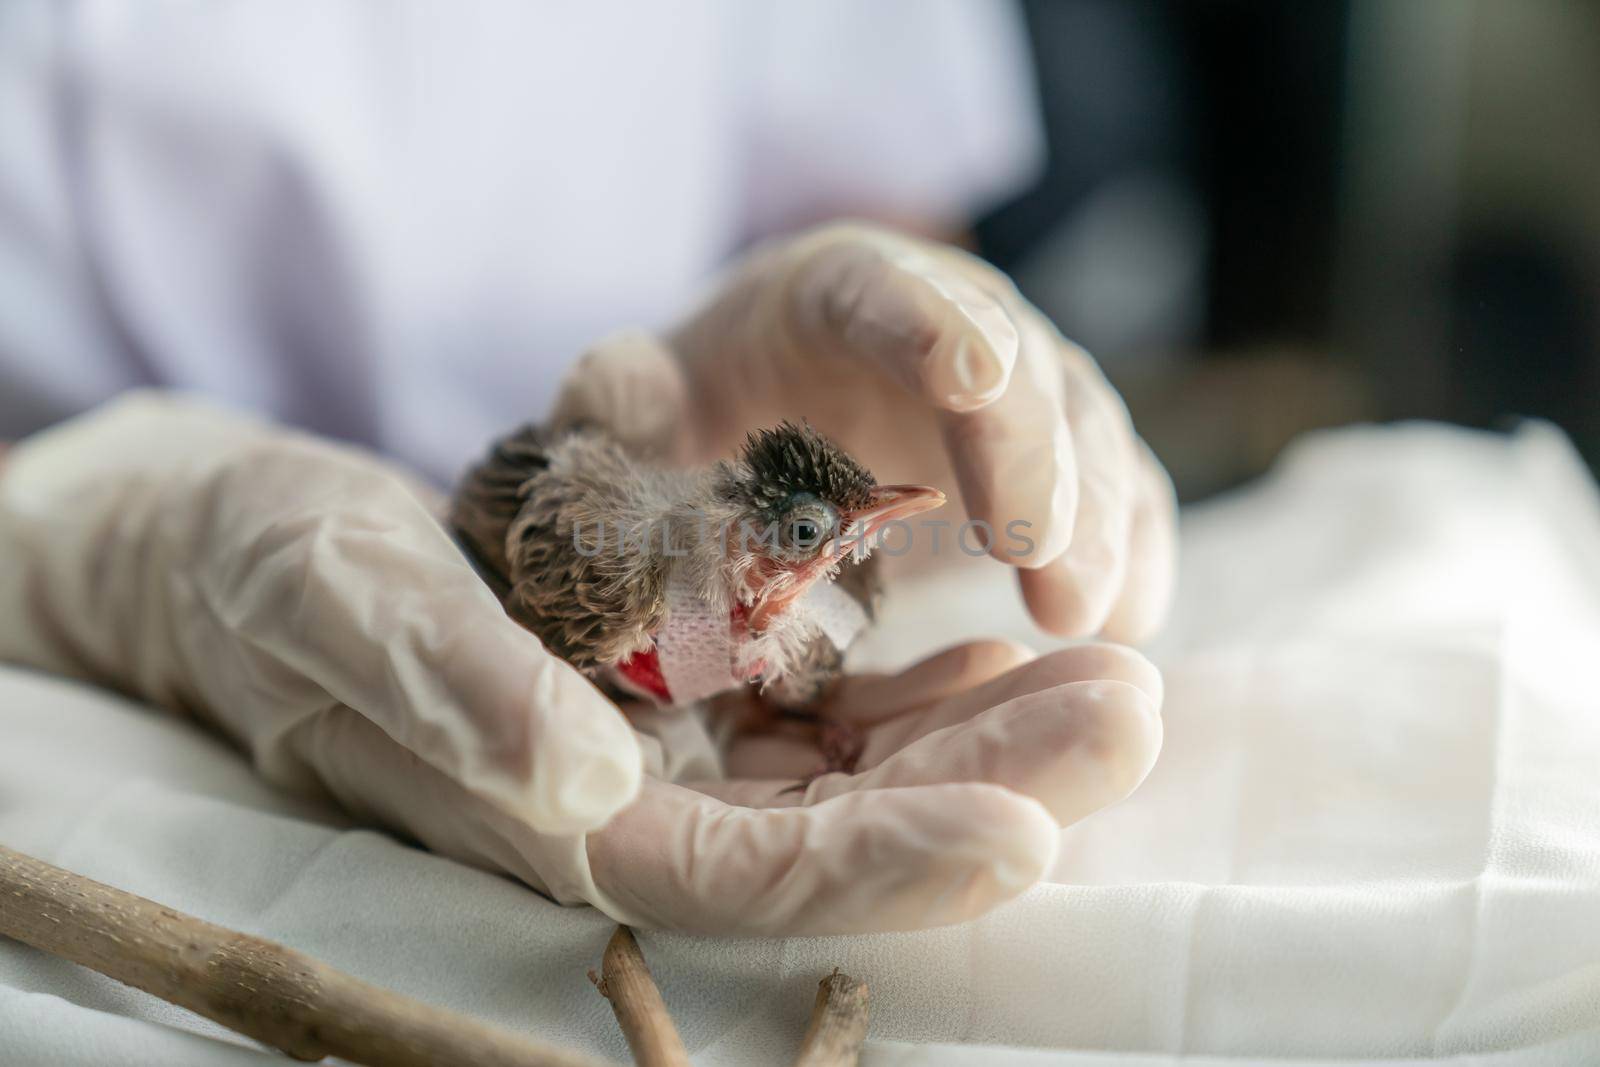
(554, 514)
(489, 496)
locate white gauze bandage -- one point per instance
(696, 647)
(839, 616)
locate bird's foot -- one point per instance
(841, 745)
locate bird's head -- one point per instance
(802, 505)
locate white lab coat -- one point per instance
(397, 223)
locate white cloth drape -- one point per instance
(1374, 832)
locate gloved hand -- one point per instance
(925, 362)
(301, 596)
(974, 759)
(257, 578)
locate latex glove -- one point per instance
(261, 579)
(301, 596)
(973, 761)
(926, 363)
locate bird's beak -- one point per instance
(858, 528)
(887, 503)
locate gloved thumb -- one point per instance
(631, 385)
(331, 580)
(261, 579)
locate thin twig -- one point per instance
(260, 988)
(838, 1024)
(625, 981)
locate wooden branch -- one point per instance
(838, 1024)
(625, 981)
(260, 988)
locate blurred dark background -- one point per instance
(1269, 218)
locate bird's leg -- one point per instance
(841, 743)
(797, 696)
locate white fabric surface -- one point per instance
(399, 222)
(1374, 832)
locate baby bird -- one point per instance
(676, 585)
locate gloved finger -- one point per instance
(866, 699)
(1075, 748)
(876, 296)
(783, 752)
(1152, 555)
(902, 859)
(776, 760)
(377, 779)
(680, 860)
(937, 326)
(324, 572)
(1003, 481)
(1073, 594)
(1081, 663)
(631, 385)
(1016, 464)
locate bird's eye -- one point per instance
(808, 526)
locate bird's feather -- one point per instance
(553, 520)
(528, 509)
